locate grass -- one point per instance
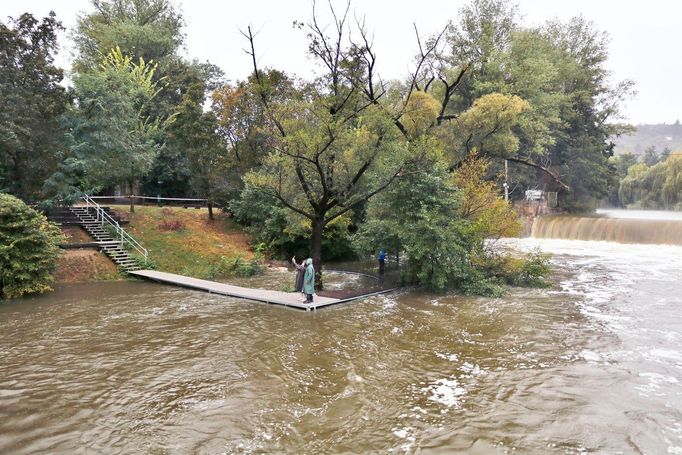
(185, 241)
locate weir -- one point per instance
(621, 230)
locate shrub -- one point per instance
(531, 271)
(171, 225)
(236, 266)
(149, 264)
(168, 223)
(29, 249)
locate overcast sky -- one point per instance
(645, 40)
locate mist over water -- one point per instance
(591, 365)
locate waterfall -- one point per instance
(621, 230)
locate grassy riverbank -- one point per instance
(185, 241)
(179, 240)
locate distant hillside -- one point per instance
(660, 136)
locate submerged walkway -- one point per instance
(289, 299)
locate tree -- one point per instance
(332, 147)
(243, 123)
(559, 69)
(112, 141)
(142, 29)
(440, 221)
(152, 30)
(620, 165)
(29, 249)
(176, 170)
(31, 136)
(194, 132)
(655, 187)
(651, 156)
(583, 144)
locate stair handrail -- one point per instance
(102, 216)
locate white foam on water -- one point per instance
(471, 370)
(450, 357)
(665, 355)
(601, 272)
(445, 391)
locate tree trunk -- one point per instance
(316, 251)
(210, 210)
(132, 198)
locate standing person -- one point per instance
(300, 271)
(309, 280)
(382, 265)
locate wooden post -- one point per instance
(210, 210)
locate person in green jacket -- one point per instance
(309, 280)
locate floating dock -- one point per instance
(289, 299)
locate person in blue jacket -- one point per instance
(382, 265)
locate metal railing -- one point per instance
(158, 200)
(102, 217)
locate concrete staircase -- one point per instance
(112, 247)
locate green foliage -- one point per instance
(192, 160)
(559, 70)
(32, 101)
(651, 156)
(655, 187)
(421, 112)
(29, 249)
(486, 127)
(113, 142)
(189, 163)
(142, 29)
(530, 271)
(619, 166)
(440, 222)
(149, 264)
(243, 123)
(237, 266)
(284, 233)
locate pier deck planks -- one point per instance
(289, 299)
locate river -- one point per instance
(591, 365)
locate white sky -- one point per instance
(645, 42)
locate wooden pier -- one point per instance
(289, 299)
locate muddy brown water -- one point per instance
(592, 365)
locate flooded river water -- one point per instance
(592, 365)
